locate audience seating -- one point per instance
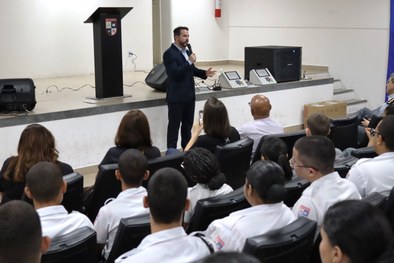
(209, 209)
(130, 233)
(292, 243)
(343, 165)
(77, 246)
(288, 137)
(234, 160)
(344, 132)
(172, 160)
(364, 152)
(294, 188)
(73, 197)
(106, 186)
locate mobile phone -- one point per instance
(200, 115)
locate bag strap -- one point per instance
(208, 244)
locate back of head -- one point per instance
(274, 149)
(230, 257)
(267, 180)
(133, 131)
(386, 130)
(317, 152)
(21, 236)
(36, 144)
(359, 229)
(44, 181)
(167, 192)
(318, 124)
(215, 119)
(203, 167)
(132, 166)
(260, 106)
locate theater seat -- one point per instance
(343, 165)
(209, 209)
(364, 152)
(288, 137)
(130, 233)
(292, 243)
(294, 188)
(389, 208)
(234, 160)
(344, 132)
(77, 246)
(106, 186)
(73, 197)
(376, 199)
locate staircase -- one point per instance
(341, 93)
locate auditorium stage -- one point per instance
(85, 128)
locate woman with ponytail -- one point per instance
(264, 190)
(203, 168)
(274, 149)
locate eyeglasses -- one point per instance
(373, 132)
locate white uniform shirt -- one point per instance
(128, 203)
(373, 175)
(230, 233)
(200, 191)
(321, 194)
(56, 221)
(171, 245)
(257, 128)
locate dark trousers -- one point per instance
(180, 113)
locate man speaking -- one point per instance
(179, 63)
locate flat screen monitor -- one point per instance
(262, 73)
(232, 75)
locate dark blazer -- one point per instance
(180, 76)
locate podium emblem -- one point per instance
(111, 26)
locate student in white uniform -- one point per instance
(167, 192)
(21, 237)
(203, 168)
(313, 160)
(132, 170)
(264, 190)
(45, 185)
(377, 174)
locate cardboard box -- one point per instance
(332, 109)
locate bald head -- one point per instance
(260, 107)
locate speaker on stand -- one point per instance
(157, 78)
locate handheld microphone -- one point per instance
(190, 48)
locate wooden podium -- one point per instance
(107, 36)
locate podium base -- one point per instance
(94, 100)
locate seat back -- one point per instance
(77, 246)
(209, 209)
(389, 208)
(106, 186)
(292, 243)
(364, 152)
(73, 197)
(343, 165)
(344, 132)
(376, 199)
(172, 160)
(130, 233)
(294, 188)
(234, 161)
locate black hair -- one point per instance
(275, 149)
(203, 167)
(230, 257)
(21, 235)
(177, 30)
(44, 181)
(317, 152)
(167, 193)
(318, 124)
(267, 180)
(359, 229)
(386, 130)
(132, 166)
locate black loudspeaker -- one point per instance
(283, 62)
(157, 78)
(17, 95)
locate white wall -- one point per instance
(44, 38)
(350, 37)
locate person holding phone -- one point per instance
(179, 62)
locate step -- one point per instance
(338, 84)
(344, 94)
(353, 105)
